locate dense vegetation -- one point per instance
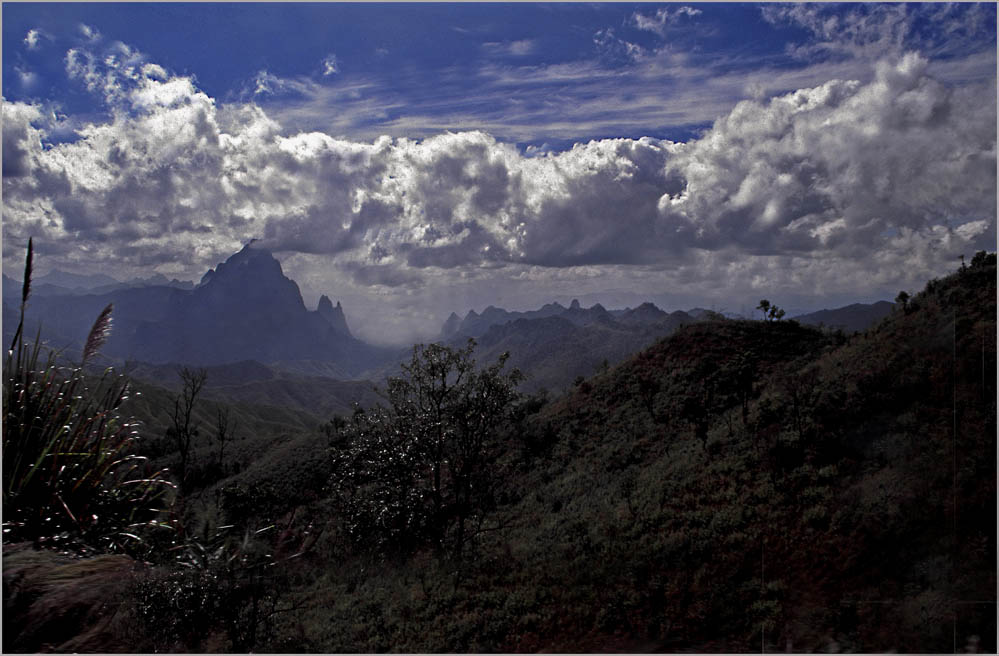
(740, 485)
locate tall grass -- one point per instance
(70, 475)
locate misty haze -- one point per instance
(482, 327)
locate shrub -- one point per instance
(425, 470)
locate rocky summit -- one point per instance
(245, 308)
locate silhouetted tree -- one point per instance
(223, 433)
(183, 429)
(770, 311)
(903, 300)
(982, 259)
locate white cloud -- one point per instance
(659, 22)
(830, 186)
(89, 33)
(26, 78)
(875, 30)
(112, 72)
(837, 167)
(520, 48)
(154, 71)
(330, 65)
(268, 84)
(616, 49)
(33, 39)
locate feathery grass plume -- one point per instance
(99, 334)
(25, 291)
(70, 474)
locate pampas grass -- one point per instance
(25, 292)
(99, 334)
(70, 474)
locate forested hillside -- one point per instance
(738, 486)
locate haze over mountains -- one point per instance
(247, 310)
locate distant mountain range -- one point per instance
(851, 318)
(63, 283)
(555, 344)
(476, 325)
(244, 309)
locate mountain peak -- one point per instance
(450, 326)
(333, 315)
(252, 278)
(251, 259)
(574, 305)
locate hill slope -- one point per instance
(737, 485)
(835, 495)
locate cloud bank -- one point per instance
(848, 182)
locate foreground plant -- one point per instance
(70, 474)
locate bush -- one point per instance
(424, 471)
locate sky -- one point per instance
(413, 160)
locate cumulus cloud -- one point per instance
(33, 39)
(844, 167)
(846, 179)
(330, 65)
(110, 73)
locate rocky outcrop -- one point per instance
(243, 309)
(333, 315)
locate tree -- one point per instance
(423, 470)
(982, 259)
(223, 433)
(903, 300)
(184, 430)
(770, 312)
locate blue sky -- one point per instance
(413, 69)
(436, 157)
